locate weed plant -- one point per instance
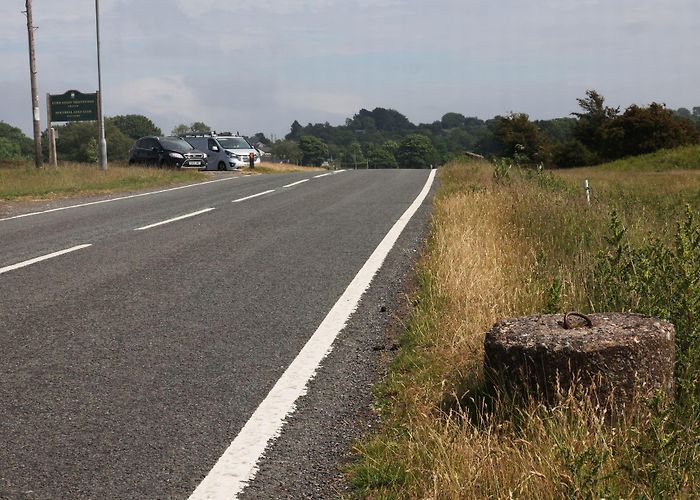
(525, 242)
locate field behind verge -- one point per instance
(527, 243)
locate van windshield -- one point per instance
(233, 142)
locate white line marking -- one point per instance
(340, 171)
(295, 183)
(110, 200)
(253, 196)
(44, 257)
(174, 219)
(238, 464)
(322, 175)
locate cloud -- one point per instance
(160, 96)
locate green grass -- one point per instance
(687, 157)
(23, 181)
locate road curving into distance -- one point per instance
(155, 345)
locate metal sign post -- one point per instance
(101, 120)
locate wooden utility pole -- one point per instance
(38, 155)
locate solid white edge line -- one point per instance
(238, 465)
(110, 200)
(174, 219)
(296, 183)
(319, 176)
(42, 258)
(253, 196)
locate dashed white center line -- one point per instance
(174, 219)
(253, 196)
(43, 257)
(296, 183)
(322, 175)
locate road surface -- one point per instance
(150, 344)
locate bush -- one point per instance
(573, 154)
(9, 150)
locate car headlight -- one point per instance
(204, 155)
(176, 155)
(230, 154)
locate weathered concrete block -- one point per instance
(620, 356)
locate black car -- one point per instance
(166, 152)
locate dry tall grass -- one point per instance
(24, 181)
(496, 252)
(283, 168)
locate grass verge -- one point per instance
(22, 181)
(528, 244)
(283, 168)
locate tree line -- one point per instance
(385, 138)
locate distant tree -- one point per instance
(193, 128)
(77, 141)
(180, 130)
(473, 124)
(518, 136)
(314, 151)
(557, 130)
(9, 150)
(684, 113)
(295, 132)
(354, 155)
(200, 128)
(16, 136)
(380, 119)
(592, 121)
(135, 126)
(416, 151)
(392, 147)
(696, 111)
(452, 120)
(641, 130)
(573, 154)
(380, 157)
(260, 138)
(286, 151)
(459, 141)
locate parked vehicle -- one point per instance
(225, 152)
(167, 152)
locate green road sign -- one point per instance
(73, 106)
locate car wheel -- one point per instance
(221, 166)
(131, 162)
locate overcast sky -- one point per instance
(258, 65)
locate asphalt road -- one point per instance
(131, 362)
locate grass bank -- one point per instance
(686, 157)
(20, 181)
(524, 245)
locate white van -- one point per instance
(224, 152)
